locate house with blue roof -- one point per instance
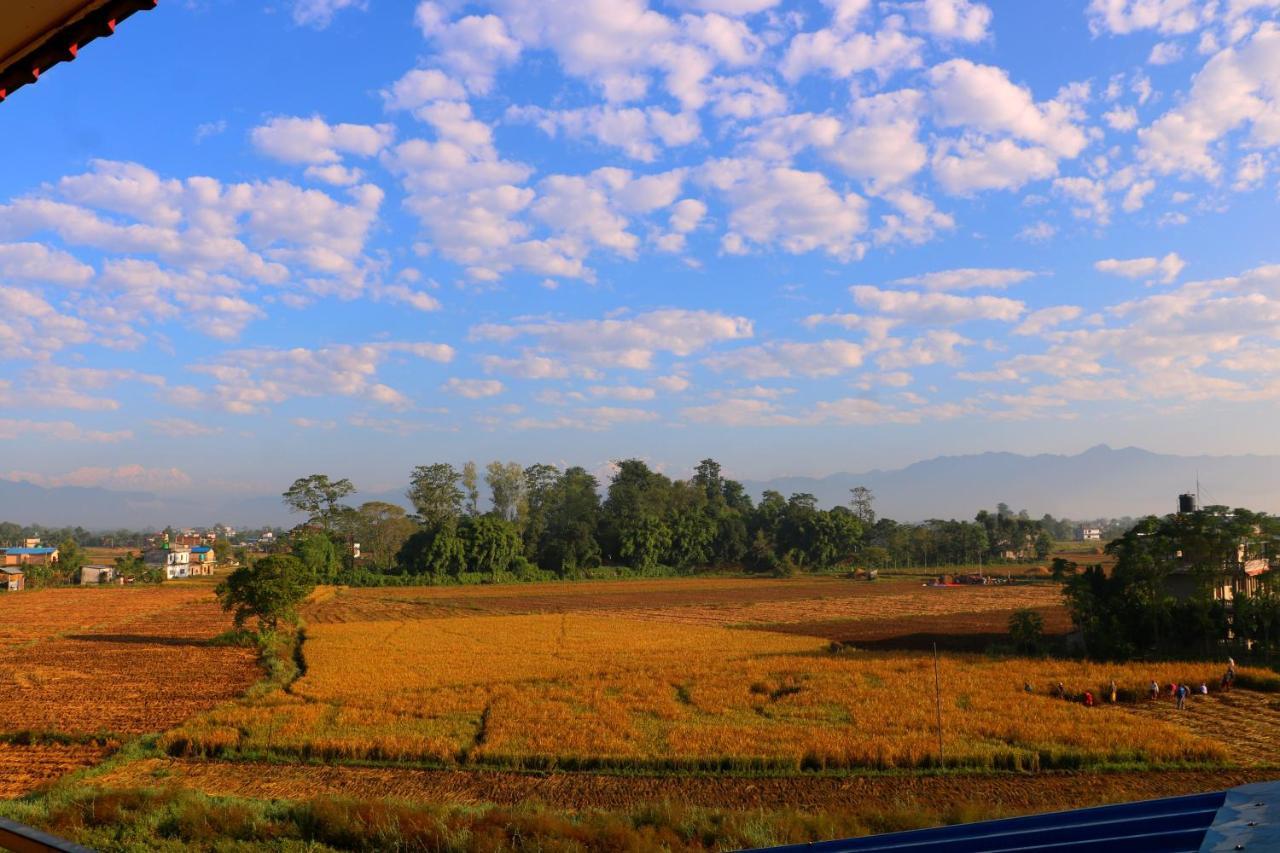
(41, 556)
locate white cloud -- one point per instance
(292, 139)
(1236, 87)
(965, 167)
(1165, 53)
(14, 428)
(940, 308)
(124, 477)
(795, 210)
(968, 278)
(38, 263)
(319, 13)
(982, 97)
(1170, 17)
(474, 47)
(250, 380)
(473, 389)
(790, 358)
(1250, 172)
(842, 53)
(1121, 118)
(421, 86)
(627, 343)
(1037, 322)
(1164, 269)
(1037, 232)
(959, 20)
(182, 428)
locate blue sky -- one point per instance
(242, 242)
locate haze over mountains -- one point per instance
(1100, 482)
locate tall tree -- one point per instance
(863, 503)
(319, 498)
(434, 493)
(471, 483)
(506, 484)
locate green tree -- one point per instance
(570, 510)
(438, 551)
(319, 498)
(1026, 631)
(70, 559)
(491, 543)
(319, 556)
(381, 529)
(269, 591)
(506, 485)
(435, 494)
(471, 483)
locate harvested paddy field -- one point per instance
(23, 768)
(119, 660)
(693, 601)
(999, 793)
(49, 613)
(588, 690)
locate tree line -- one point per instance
(542, 521)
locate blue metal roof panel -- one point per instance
(29, 551)
(1169, 825)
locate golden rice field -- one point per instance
(586, 690)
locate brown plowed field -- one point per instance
(1003, 793)
(701, 601)
(956, 632)
(141, 664)
(25, 768)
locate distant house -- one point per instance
(28, 556)
(31, 543)
(203, 559)
(97, 575)
(1241, 577)
(176, 562)
(12, 580)
(1088, 534)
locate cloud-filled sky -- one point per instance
(242, 242)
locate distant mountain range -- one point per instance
(1101, 482)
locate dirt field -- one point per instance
(1009, 793)
(120, 660)
(25, 768)
(702, 601)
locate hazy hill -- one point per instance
(1099, 482)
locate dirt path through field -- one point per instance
(1002, 793)
(1248, 722)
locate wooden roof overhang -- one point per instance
(36, 35)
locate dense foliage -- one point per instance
(1160, 599)
(546, 522)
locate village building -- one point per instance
(98, 575)
(28, 556)
(203, 559)
(12, 580)
(1088, 534)
(176, 562)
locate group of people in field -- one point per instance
(1177, 692)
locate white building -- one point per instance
(176, 561)
(1088, 534)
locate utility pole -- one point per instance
(937, 689)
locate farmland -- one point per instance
(726, 694)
